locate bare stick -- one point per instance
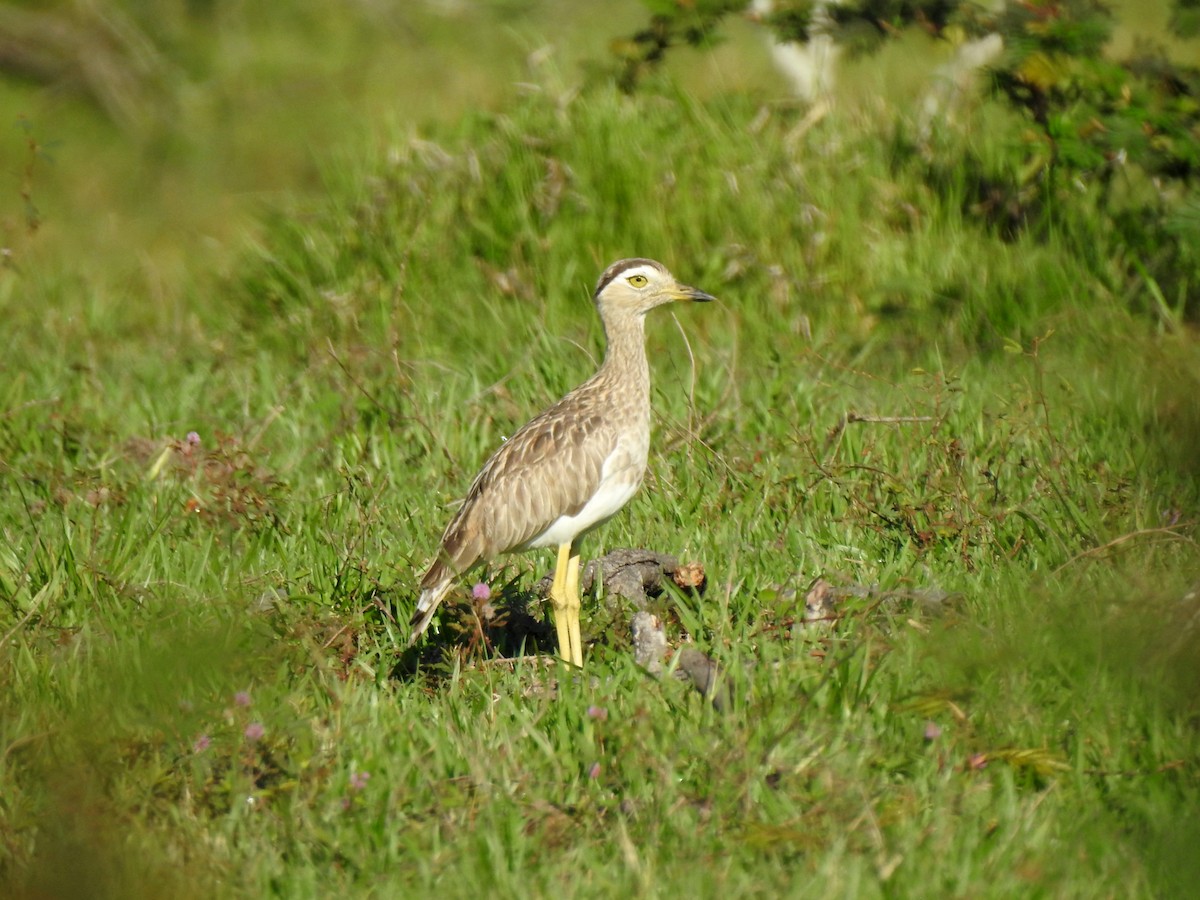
(851, 417)
(1172, 531)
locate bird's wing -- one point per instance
(550, 468)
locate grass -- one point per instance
(204, 687)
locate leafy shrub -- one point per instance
(1094, 137)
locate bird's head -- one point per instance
(636, 286)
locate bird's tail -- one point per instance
(434, 586)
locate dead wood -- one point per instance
(651, 652)
(635, 575)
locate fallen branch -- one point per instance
(651, 652)
(634, 574)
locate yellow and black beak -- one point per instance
(683, 292)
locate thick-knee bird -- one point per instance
(571, 468)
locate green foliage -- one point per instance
(862, 25)
(1108, 133)
(1093, 111)
(1185, 18)
(791, 21)
(1099, 117)
(672, 22)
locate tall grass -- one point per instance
(204, 683)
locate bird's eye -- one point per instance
(638, 280)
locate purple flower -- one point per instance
(193, 439)
(241, 698)
(933, 731)
(358, 780)
(202, 743)
(254, 731)
(594, 771)
(599, 713)
(481, 592)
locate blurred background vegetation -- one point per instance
(139, 139)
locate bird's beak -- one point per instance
(683, 292)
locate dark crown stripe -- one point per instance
(622, 265)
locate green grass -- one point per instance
(352, 366)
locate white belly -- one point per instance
(620, 478)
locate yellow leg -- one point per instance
(573, 606)
(564, 605)
(558, 602)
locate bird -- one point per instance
(569, 469)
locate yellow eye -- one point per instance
(637, 280)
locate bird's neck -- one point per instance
(625, 356)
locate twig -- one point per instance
(1170, 531)
(35, 603)
(20, 742)
(1170, 766)
(9, 413)
(358, 384)
(851, 417)
(691, 385)
(393, 417)
(542, 660)
(818, 112)
(274, 413)
(886, 420)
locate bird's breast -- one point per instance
(620, 477)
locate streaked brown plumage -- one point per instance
(571, 468)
